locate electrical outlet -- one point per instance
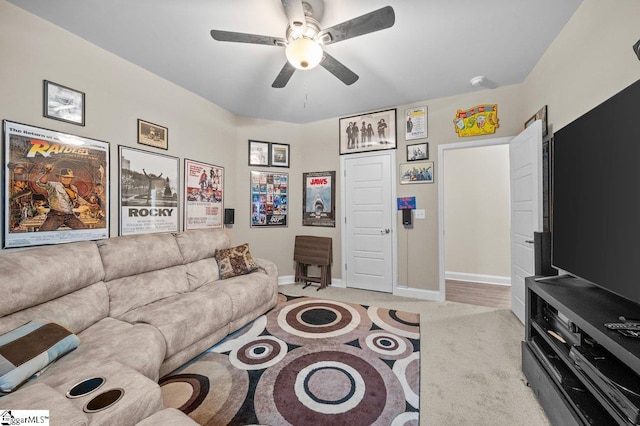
(419, 214)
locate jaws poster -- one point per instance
(319, 199)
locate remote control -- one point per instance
(633, 326)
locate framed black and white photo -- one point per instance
(415, 123)
(149, 192)
(418, 151)
(416, 173)
(153, 135)
(368, 132)
(55, 187)
(63, 103)
(279, 155)
(204, 195)
(259, 153)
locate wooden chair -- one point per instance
(310, 250)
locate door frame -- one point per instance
(441, 246)
(343, 202)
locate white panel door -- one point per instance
(369, 209)
(525, 156)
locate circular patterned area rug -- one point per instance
(307, 362)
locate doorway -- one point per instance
(474, 222)
(368, 221)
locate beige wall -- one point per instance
(589, 61)
(476, 211)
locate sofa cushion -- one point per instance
(201, 272)
(201, 243)
(139, 346)
(29, 348)
(185, 318)
(75, 311)
(34, 276)
(134, 291)
(235, 261)
(246, 293)
(137, 254)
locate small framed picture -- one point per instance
(279, 155)
(418, 151)
(259, 153)
(416, 123)
(153, 135)
(63, 103)
(540, 115)
(416, 173)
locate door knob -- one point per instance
(385, 231)
(529, 241)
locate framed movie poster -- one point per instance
(279, 154)
(149, 185)
(204, 190)
(269, 196)
(368, 132)
(319, 198)
(55, 187)
(415, 123)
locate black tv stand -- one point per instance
(564, 327)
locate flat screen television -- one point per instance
(596, 195)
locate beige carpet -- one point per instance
(471, 372)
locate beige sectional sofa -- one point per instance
(141, 306)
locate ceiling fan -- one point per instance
(305, 39)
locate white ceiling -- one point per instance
(432, 51)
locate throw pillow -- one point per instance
(26, 350)
(235, 261)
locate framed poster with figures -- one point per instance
(319, 197)
(55, 187)
(204, 190)
(149, 185)
(368, 132)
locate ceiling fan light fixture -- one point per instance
(303, 53)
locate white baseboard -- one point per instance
(291, 279)
(418, 293)
(478, 278)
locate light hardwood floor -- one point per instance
(493, 296)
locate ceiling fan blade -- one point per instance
(365, 24)
(336, 68)
(295, 13)
(247, 38)
(285, 74)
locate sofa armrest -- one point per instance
(269, 267)
(42, 397)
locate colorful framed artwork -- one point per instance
(55, 187)
(269, 199)
(319, 199)
(416, 173)
(204, 195)
(477, 121)
(153, 135)
(415, 123)
(368, 132)
(149, 192)
(418, 152)
(279, 155)
(259, 153)
(63, 103)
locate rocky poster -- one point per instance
(148, 192)
(319, 199)
(56, 187)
